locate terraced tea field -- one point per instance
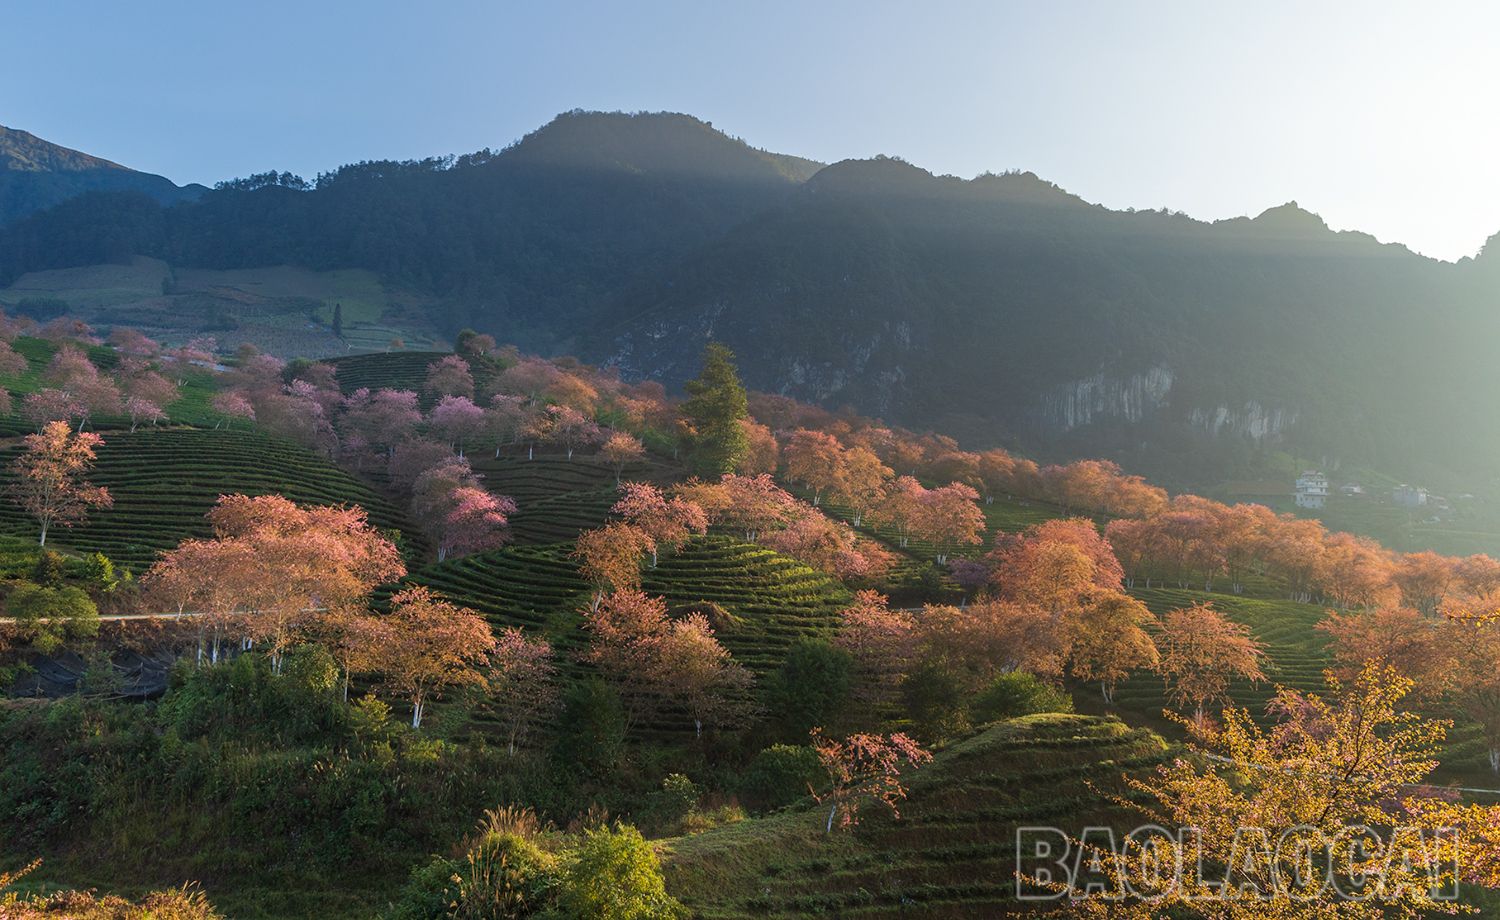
(399, 370)
(558, 498)
(772, 600)
(164, 481)
(952, 852)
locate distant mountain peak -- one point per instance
(22, 151)
(1291, 217)
(664, 143)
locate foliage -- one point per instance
(614, 875)
(713, 411)
(1018, 693)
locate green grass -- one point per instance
(164, 481)
(950, 855)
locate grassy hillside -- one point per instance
(164, 481)
(950, 855)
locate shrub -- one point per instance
(935, 697)
(48, 617)
(500, 878)
(1016, 694)
(675, 800)
(780, 775)
(614, 875)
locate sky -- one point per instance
(1378, 116)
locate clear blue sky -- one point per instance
(1381, 117)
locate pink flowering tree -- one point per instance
(449, 376)
(457, 419)
(666, 522)
(230, 405)
(143, 410)
(476, 521)
(862, 769)
(523, 682)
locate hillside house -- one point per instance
(1312, 490)
(1409, 496)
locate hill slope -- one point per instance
(36, 174)
(951, 854)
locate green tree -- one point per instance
(811, 688)
(48, 617)
(715, 407)
(615, 875)
(338, 320)
(1016, 694)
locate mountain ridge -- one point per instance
(1001, 308)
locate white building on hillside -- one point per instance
(1409, 496)
(1312, 490)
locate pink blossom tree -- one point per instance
(143, 410)
(230, 405)
(667, 522)
(523, 682)
(476, 521)
(457, 419)
(449, 376)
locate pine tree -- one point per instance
(713, 412)
(338, 320)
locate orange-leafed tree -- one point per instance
(1423, 579)
(815, 459)
(426, 645)
(692, 667)
(1200, 652)
(1108, 640)
(50, 484)
(619, 449)
(1347, 760)
(278, 565)
(862, 483)
(626, 630)
(1400, 638)
(1473, 651)
(863, 769)
(609, 558)
(950, 518)
(763, 453)
(986, 638)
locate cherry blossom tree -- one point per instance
(763, 454)
(1201, 651)
(523, 682)
(505, 419)
(665, 522)
(384, 418)
(619, 449)
(143, 410)
(231, 405)
(477, 520)
(950, 517)
(864, 768)
(626, 629)
(457, 419)
(413, 457)
(882, 643)
(571, 428)
(49, 405)
(430, 644)
(50, 484)
(449, 376)
(12, 362)
(748, 504)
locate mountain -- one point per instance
(36, 175)
(1000, 309)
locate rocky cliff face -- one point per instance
(1103, 397)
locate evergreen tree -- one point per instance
(338, 320)
(713, 412)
